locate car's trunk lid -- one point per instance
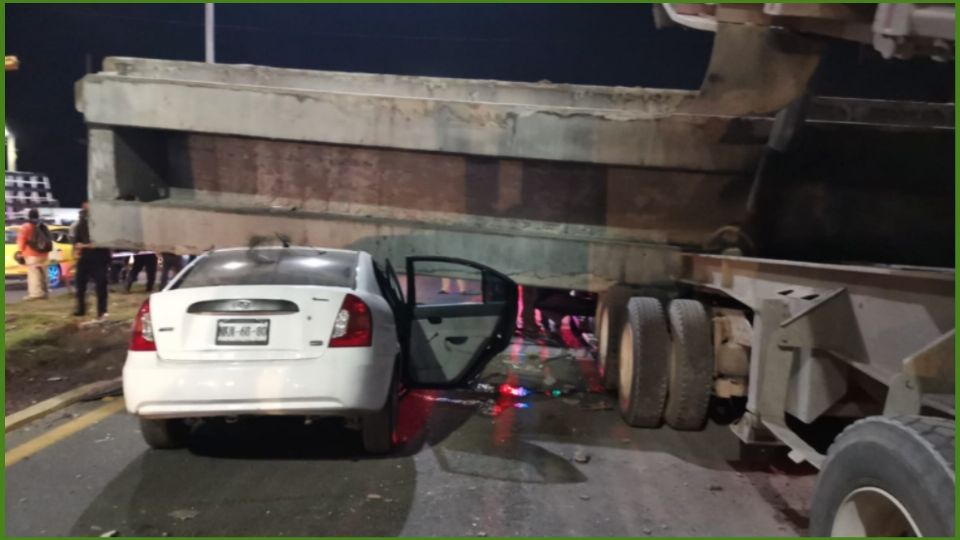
(244, 323)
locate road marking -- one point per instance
(59, 433)
(56, 403)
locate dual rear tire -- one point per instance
(662, 378)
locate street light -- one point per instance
(208, 31)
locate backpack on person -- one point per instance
(40, 239)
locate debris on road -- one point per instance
(714, 487)
(584, 497)
(373, 496)
(490, 408)
(601, 405)
(454, 401)
(625, 441)
(581, 457)
(110, 534)
(54, 379)
(184, 514)
(486, 388)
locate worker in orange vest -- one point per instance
(35, 242)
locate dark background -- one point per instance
(585, 44)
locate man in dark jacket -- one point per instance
(172, 264)
(92, 263)
(143, 260)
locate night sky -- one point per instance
(586, 44)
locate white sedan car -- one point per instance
(308, 331)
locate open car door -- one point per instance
(457, 316)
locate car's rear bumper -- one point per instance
(342, 382)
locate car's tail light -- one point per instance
(142, 339)
(353, 326)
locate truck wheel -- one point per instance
(643, 369)
(378, 429)
(888, 477)
(164, 434)
(611, 312)
(691, 366)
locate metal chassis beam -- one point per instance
(845, 313)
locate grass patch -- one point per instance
(36, 322)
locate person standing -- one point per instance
(172, 264)
(143, 260)
(92, 264)
(35, 242)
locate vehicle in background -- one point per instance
(309, 331)
(60, 263)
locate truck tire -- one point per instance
(643, 363)
(888, 476)
(611, 314)
(164, 433)
(378, 429)
(691, 366)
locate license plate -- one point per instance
(243, 331)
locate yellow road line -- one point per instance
(56, 403)
(59, 433)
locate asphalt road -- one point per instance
(471, 464)
(18, 291)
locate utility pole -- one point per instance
(208, 32)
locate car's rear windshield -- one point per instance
(267, 266)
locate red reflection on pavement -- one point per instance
(413, 414)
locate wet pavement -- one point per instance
(558, 461)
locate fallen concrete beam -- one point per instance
(531, 259)
(458, 163)
(542, 94)
(601, 136)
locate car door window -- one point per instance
(393, 282)
(444, 283)
(462, 314)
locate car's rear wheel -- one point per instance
(378, 429)
(165, 434)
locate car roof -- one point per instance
(316, 248)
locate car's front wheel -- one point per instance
(379, 429)
(164, 434)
